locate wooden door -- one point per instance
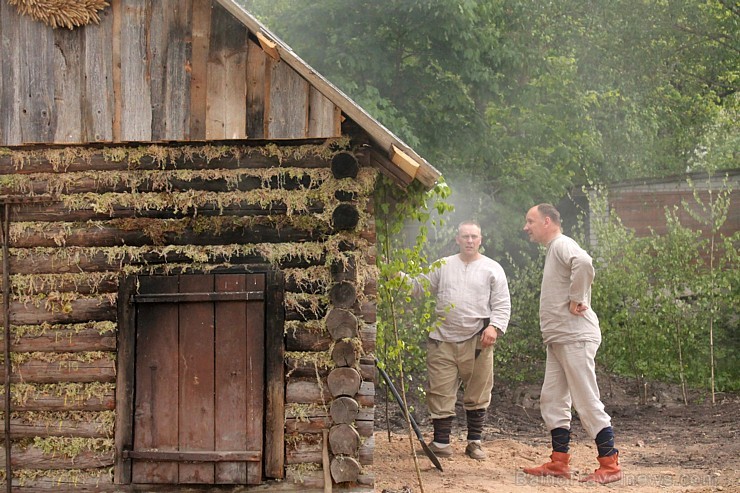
(199, 379)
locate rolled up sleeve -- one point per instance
(500, 301)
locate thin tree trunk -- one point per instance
(711, 312)
(681, 365)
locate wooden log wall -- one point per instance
(143, 210)
(151, 71)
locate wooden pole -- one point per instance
(325, 460)
(6, 323)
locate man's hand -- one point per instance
(489, 336)
(577, 309)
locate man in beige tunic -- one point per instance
(473, 309)
(570, 330)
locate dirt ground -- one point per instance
(665, 446)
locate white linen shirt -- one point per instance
(567, 276)
(467, 293)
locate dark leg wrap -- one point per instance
(442, 429)
(560, 440)
(475, 419)
(605, 442)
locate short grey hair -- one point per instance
(468, 222)
(549, 210)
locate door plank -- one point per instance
(255, 375)
(231, 378)
(196, 372)
(125, 379)
(155, 411)
(274, 452)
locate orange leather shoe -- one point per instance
(608, 471)
(558, 467)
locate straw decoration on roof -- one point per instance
(61, 13)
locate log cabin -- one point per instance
(188, 253)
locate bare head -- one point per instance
(542, 223)
(468, 238)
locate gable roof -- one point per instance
(406, 160)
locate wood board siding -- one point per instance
(226, 111)
(288, 103)
(167, 76)
(170, 210)
(135, 93)
(151, 71)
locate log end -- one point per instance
(344, 469)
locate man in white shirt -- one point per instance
(473, 309)
(570, 330)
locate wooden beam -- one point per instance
(274, 452)
(194, 456)
(404, 161)
(125, 365)
(196, 297)
(374, 158)
(269, 46)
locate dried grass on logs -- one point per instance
(61, 13)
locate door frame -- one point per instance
(274, 413)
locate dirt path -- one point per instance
(663, 448)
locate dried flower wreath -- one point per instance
(61, 13)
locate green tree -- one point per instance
(518, 101)
(404, 219)
(719, 262)
(621, 295)
(663, 309)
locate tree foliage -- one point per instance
(518, 102)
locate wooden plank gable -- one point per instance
(151, 71)
(97, 106)
(288, 103)
(170, 80)
(10, 56)
(135, 82)
(226, 108)
(174, 71)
